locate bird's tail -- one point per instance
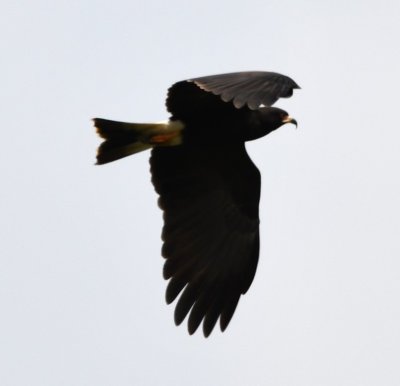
(122, 139)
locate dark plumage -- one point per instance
(208, 186)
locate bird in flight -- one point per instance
(208, 187)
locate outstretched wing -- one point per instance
(210, 198)
(250, 89)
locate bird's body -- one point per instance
(209, 188)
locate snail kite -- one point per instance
(209, 189)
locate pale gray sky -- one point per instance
(81, 291)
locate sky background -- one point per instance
(81, 290)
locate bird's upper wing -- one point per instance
(241, 88)
(210, 198)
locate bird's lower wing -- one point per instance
(210, 198)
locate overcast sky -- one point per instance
(81, 290)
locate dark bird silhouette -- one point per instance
(208, 186)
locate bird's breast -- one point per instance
(232, 128)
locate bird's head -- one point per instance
(273, 118)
